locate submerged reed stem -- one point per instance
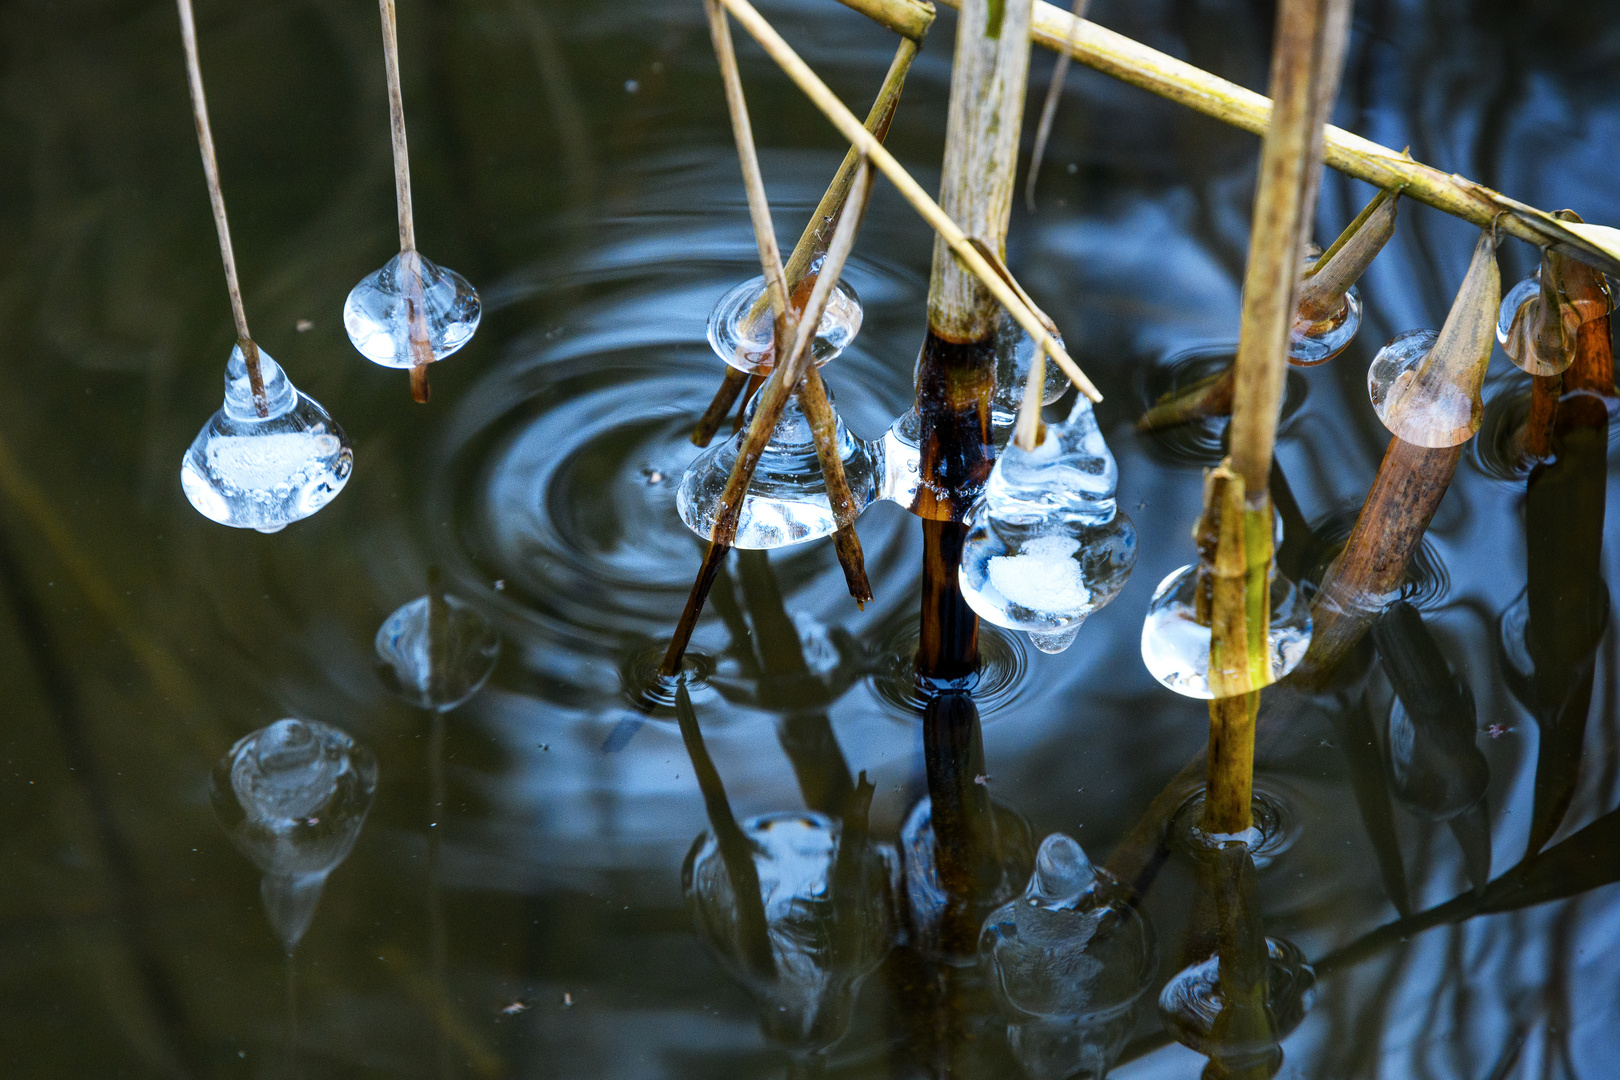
(216, 200)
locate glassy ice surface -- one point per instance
(381, 313)
(1191, 1003)
(1543, 343)
(1176, 649)
(1015, 352)
(826, 917)
(1048, 546)
(1315, 343)
(787, 501)
(1513, 319)
(253, 472)
(1068, 962)
(750, 345)
(436, 659)
(292, 797)
(1452, 414)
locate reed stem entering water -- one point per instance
(410, 263)
(216, 199)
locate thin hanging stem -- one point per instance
(216, 199)
(848, 126)
(1054, 92)
(396, 122)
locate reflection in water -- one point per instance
(436, 651)
(1068, 960)
(293, 796)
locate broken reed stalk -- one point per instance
(783, 379)
(791, 326)
(956, 372)
(216, 199)
(844, 120)
(409, 263)
(1306, 59)
(1054, 92)
(1320, 296)
(812, 245)
(1176, 80)
(908, 18)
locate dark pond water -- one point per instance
(513, 904)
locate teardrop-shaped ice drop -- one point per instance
(749, 344)
(1048, 545)
(1316, 342)
(265, 472)
(1175, 647)
(409, 301)
(436, 657)
(1015, 351)
(787, 501)
(292, 797)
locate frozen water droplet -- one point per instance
(292, 797)
(1068, 963)
(463, 642)
(1176, 649)
(1538, 329)
(1192, 1004)
(1015, 351)
(1003, 869)
(254, 472)
(750, 345)
(826, 911)
(1048, 545)
(1313, 343)
(1451, 411)
(787, 501)
(381, 313)
(1054, 643)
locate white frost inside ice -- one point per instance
(264, 462)
(1043, 576)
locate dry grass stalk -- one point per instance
(1342, 264)
(216, 199)
(1176, 80)
(835, 110)
(908, 18)
(410, 261)
(812, 244)
(1054, 92)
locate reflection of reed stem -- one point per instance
(1054, 91)
(295, 1065)
(438, 945)
(216, 199)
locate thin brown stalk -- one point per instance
(755, 381)
(1176, 80)
(835, 110)
(1054, 92)
(812, 244)
(824, 426)
(216, 199)
(410, 262)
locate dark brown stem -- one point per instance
(1536, 438)
(824, 426)
(713, 556)
(754, 383)
(715, 414)
(948, 641)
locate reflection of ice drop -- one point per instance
(436, 652)
(1048, 545)
(265, 472)
(826, 920)
(293, 796)
(1069, 960)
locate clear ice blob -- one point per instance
(1537, 327)
(1068, 961)
(265, 472)
(381, 313)
(787, 501)
(1015, 352)
(827, 922)
(750, 345)
(1313, 343)
(292, 797)
(1048, 546)
(1395, 367)
(1175, 647)
(436, 657)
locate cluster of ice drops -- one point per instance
(1047, 546)
(264, 461)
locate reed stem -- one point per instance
(216, 200)
(396, 124)
(834, 109)
(812, 244)
(908, 18)
(1322, 292)
(1176, 80)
